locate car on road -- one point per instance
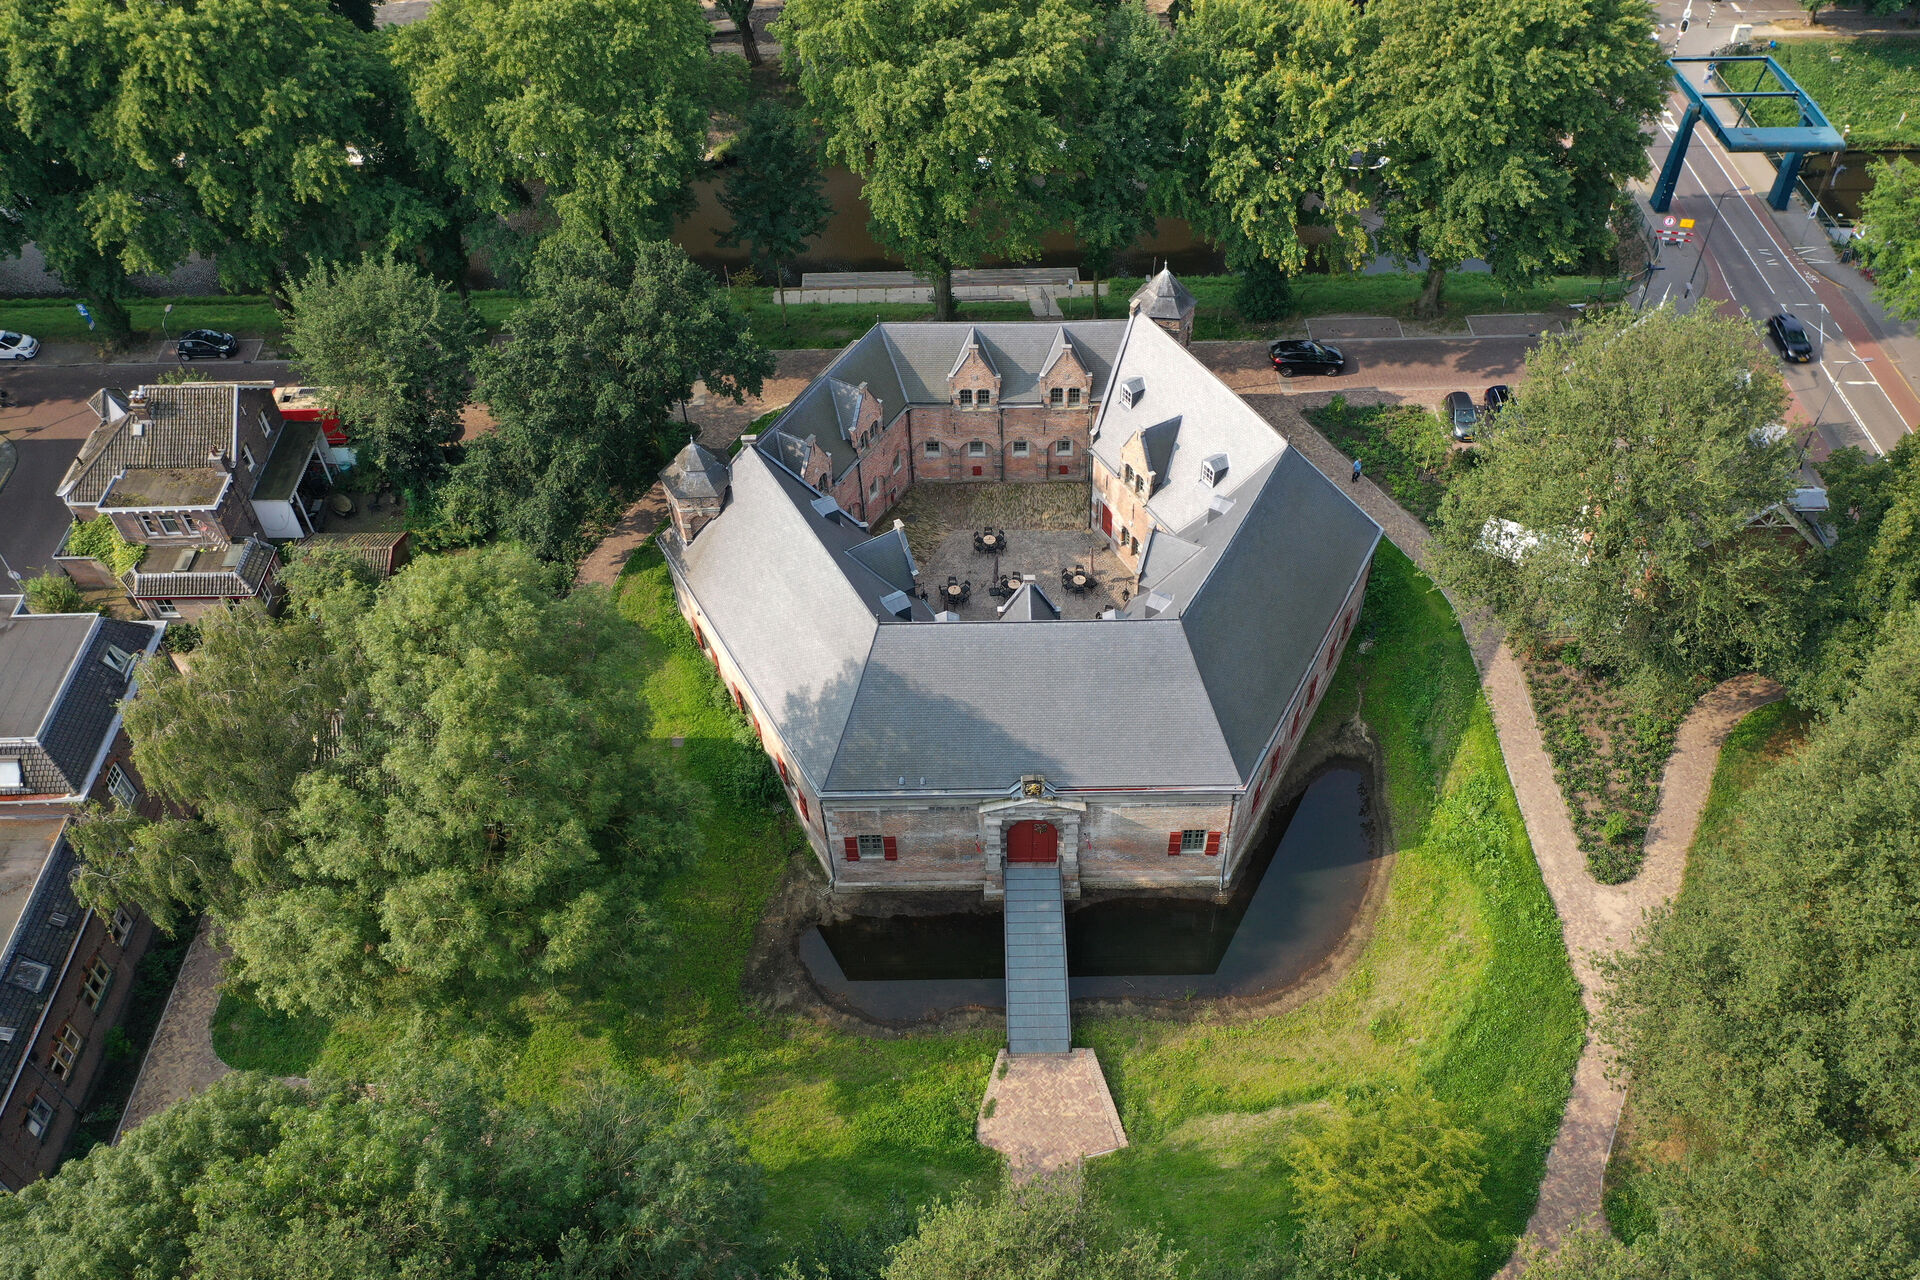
(1297, 355)
(207, 344)
(18, 346)
(1790, 336)
(1463, 417)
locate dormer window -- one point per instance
(1057, 397)
(982, 397)
(1073, 397)
(966, 397)
(118, 659)
(1126, 474)
(1133, 390)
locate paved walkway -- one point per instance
(1597, 919)
(1047, 1112)
(718, 423)
(181, 1062)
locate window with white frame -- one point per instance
(976, 448)
(39, 1116)
(1057, 397)
(173, 525)
(1063, 447)
(67, 1044)
(1019, 448)
(1193, 841)
(118, 659)
(899, 460)
(166, 608)
(120, 928)
(99, 978)
(873, 847)
(873, 487)
(983, 396)
(966, 397)
(148, 525)
(932, 448)
(246, 455)
(120, 786)
(12, 776)
(1073, 397)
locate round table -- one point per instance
(990, 541)
(1014, 584)
(1080, 580)
(955, 591)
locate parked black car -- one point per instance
(1498, 396)
(1462, 416)
(1790, 336)
(207, 344)
(1294, 355)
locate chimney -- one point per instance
(217, 459)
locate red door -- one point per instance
(1033, 842)
(1106, 519)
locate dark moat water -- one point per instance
(1295, 901)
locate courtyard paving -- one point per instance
(180, 1061)
(1039, 555)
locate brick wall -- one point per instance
(934, 844)
(997, 431)
(1126, 843)
(1130, 516)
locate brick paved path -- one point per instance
(181, 1062)
(1597, 919)
(718, 424)
(1048, 1112)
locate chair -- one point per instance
(953, 579)
(966, 591)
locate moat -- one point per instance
(1294, 904)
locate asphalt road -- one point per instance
(1425, 368)
(1742, 259)
(47, 419)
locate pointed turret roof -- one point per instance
(697, 472)
(1163, 298)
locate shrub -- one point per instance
(99, 539)
(1264, 293)
(181, 637)
(54, 593)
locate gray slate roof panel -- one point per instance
(86, 711)
(976, 705)
(47, 931)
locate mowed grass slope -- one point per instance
(1464, 990)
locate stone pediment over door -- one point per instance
(998, 816)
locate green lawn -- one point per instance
(1464, 989)
(1867, 86)
(1404, 447)
(835, 324)
(1753, 748)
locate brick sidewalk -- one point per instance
(1048, 1112)
(181, 1062)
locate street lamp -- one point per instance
(1834, 379)
(1740, 190)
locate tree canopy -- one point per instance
(1611, 502)
(606, 347)
(594, 109)
(1509, 136)
(433, 1175)
(436, 795)
(1890, 236)
(954, 114)
(393, 351)
(263, 133)
(774, 191)
(1047, 1229)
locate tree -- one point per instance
(953, 112)
(1047, 1228)
(54, 593)
(595, 110)
(446, 800)
(740, 13)
(1390, 1175)
(1890, 236)
(1770, 1005)
(605, 347)
(433, 1174)
(1508, 142)
(1127, 138)
(1813, 8)
(394, 353)
(1272, 114)
(1612, 503)
(773, 192)
(255, 131)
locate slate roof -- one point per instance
(91, 699)
(904, 364)
(57, 690)
(697, 472)
(1163, 298)
(46, 933)
(1238, 588)
(185, 423)
(1029, 604)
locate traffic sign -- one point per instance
(1668, 221)
(1686, 222)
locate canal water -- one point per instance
(1295, 902)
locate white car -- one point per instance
(18, 346)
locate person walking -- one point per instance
(1356, 472)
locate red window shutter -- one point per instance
(739, 701)
(698, 637)
(1213, 844)
(853, 848)
(1273, 766)
(804, 811)
(756, 723)
(782, 766)
(893, 848)
(1173, 844)
(1313, 687)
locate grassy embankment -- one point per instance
(1755, 746)
(1464, 989)
(835, 324)
(1866, 87)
